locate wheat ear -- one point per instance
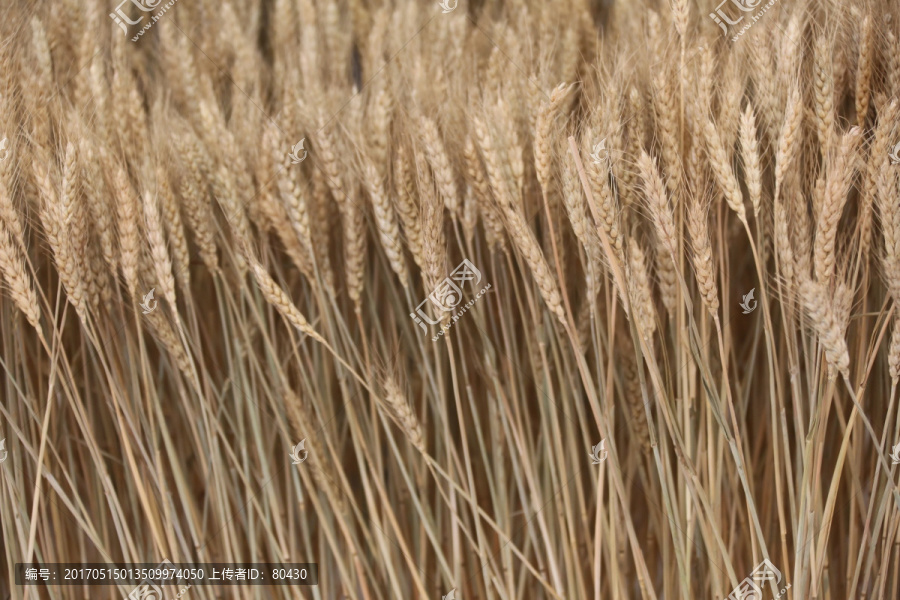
(436, 154)
(543, 137)
(276, 296)
(400, 410)
(162, 264)
(750, 152)
(704, 268)
(405, 205)
(385, 221)
(840, 175)
(56, 214)
(718, 160)
(12, 267)
(824, 93)
(822, 316)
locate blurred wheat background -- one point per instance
(693, 251)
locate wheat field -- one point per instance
(483, 299)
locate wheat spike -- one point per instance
(437, 157)
(385, 221)
(837, 187)
(752, 166)
(822, 317)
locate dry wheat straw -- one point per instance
(476, 141)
